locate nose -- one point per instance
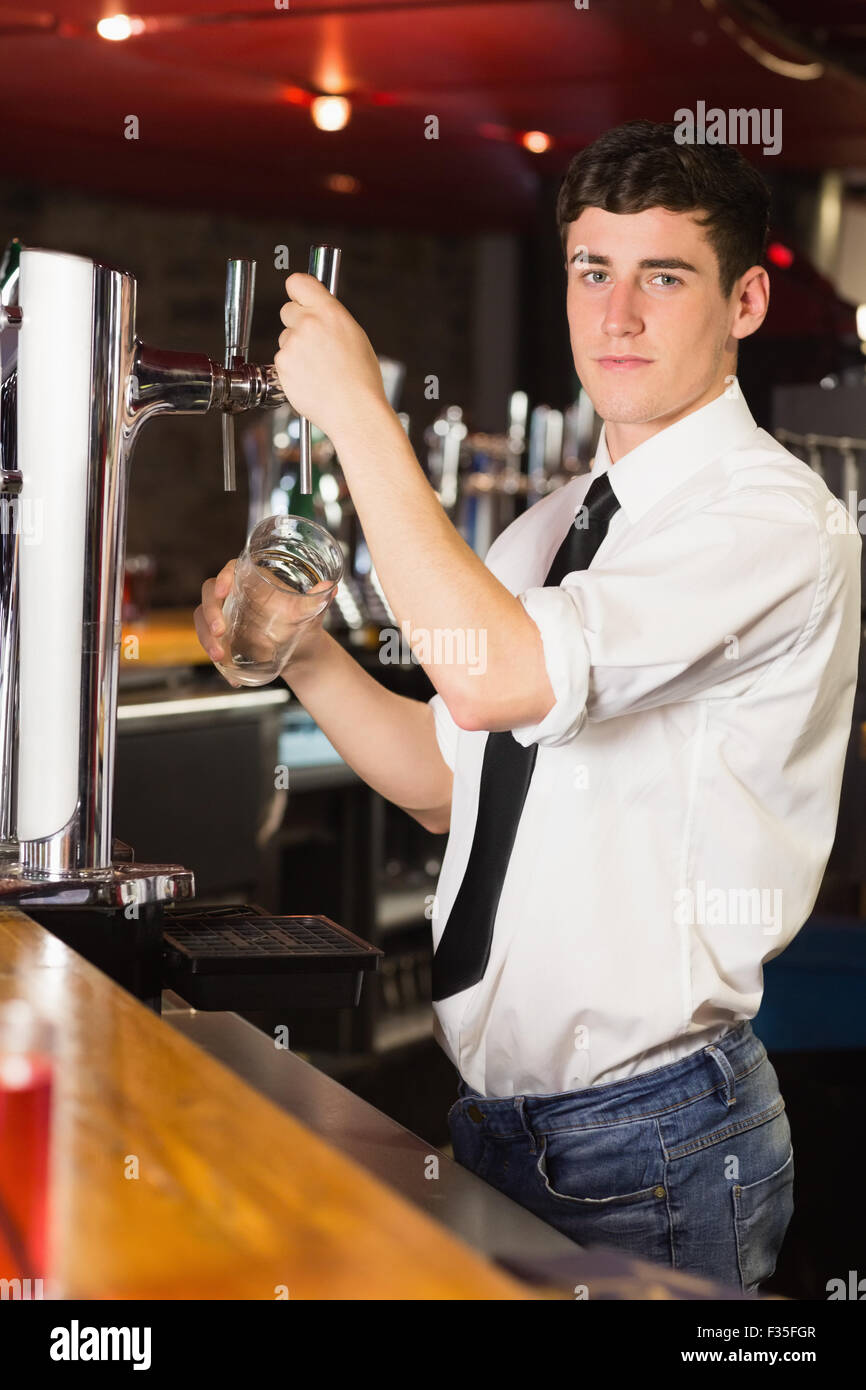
(621, 316)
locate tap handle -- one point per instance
(240, 292)
(325, 265)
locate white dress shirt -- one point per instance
(686, 787)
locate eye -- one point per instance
(663, 275)
(587, 273)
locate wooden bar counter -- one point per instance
(173, 1179)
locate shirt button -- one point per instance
(474, 1113)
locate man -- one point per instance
(642, 784)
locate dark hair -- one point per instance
(639, 165)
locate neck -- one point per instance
(621, 437)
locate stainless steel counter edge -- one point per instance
(477, 1213)
(132, 712)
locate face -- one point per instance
(652, 336)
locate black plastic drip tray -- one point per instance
(246, 958)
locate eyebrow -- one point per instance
(649, 263)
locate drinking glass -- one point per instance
(284, 579)
(26, 1066)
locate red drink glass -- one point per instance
(26, 1067)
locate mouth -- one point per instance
(623, 364)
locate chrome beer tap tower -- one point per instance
(78, 386)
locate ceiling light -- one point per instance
(342, 183)
(330, 113)
(119, 26)
(780, 255)
(536, 141)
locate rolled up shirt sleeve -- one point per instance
(447, 732)
(705, 602)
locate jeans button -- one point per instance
(474, 1113)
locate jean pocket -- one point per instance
(461, 1095)
(599, 1170)
(762, 1213)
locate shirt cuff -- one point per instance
(567, 659)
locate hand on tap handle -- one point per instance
(325, 364)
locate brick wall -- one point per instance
(413, 295)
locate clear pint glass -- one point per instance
(284, 579)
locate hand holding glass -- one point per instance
(284, 579)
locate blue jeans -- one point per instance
(690, 1165)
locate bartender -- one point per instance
(641, 783)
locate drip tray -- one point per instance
(246, 958)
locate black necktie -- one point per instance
(464, 947)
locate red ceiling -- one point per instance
(216, 128)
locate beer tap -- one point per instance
(10, 488)
(83, 387)
(240, 291)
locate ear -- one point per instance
(753, 301)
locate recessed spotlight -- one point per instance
(330, 113)
(536, 141)
(119, 26)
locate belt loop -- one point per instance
(727, 1072)
(519, 1105)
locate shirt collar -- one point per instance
(646, 473)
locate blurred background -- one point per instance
(427, 139)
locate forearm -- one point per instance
(484, 653)
(389, 740)
(436, 585)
